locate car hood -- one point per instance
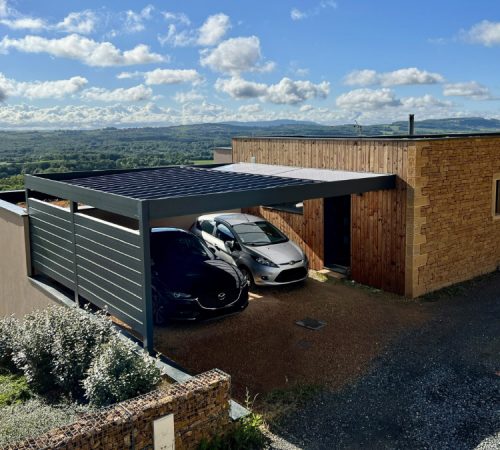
(282, 253)
(199, 278)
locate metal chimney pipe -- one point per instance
(411, 124)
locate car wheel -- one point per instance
(248, 276)
(159, 316)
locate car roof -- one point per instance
(168, 230)
(232, 218)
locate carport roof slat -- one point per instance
(174, 182)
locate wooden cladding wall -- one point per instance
(306, 230)
(378, 235)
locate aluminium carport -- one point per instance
(108, 264)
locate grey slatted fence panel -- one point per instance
(51, 241)
(109, 268)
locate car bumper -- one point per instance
(277, 276)
(193, 310)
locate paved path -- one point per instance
(437, 388)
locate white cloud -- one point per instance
(367, 99)
(24, 23)
(486, 33)
(88, 51)
(188, 97)
(41, 89)
(83, 22)
(165, 76)
(133, 94)
(286, 91)
(3, 95)
(213, 30)
(134, 21)
(306, 108)
(172, 76)
(424, 102)
(4, 9)
(297, 14)
(292, 92)
(471, 89)
(241, 89)
(176, 17)
(407, 76)
(236, 55)
(250, 109)
(210, 33)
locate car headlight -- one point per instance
(264, 261)
(182, 296)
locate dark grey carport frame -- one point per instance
(146, 200)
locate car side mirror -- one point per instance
(230, 245)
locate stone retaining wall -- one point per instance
(200, 407)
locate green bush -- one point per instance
(246, 435)
(56, 347)
(9, 331)
(34, 417)
(13, 389)
(118, 374)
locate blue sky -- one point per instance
(131, 63)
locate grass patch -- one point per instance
(281, 402)
(13, 390)
(33, 418)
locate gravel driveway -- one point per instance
(437, 387)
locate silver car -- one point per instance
(261, 251)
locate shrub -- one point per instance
(9, 327)
(246, 435)
(13, 389)
(56, 347)
(34, 417)
(119, 373)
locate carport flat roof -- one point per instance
(158, 193)
(296, 172)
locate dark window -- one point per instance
(497, 197)
(223, 233)
(207, 226)
(259, 233)
(293, 207)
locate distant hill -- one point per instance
(271, 123)
(68, 150)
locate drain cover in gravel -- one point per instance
(311, 324)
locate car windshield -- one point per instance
(259, 233)
(170, 247)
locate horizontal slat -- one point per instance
(55, 274)
(102, 279)
(130, 271)
(50, 218)
(131, 285)
(101, 243)
(109, 230)
(49, 209)
(63, 259)
(53, 228)
(53, 265)
(65, 250)
(102, 298)
(37, 232)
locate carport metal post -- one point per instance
(73, 208)
(145, 232)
